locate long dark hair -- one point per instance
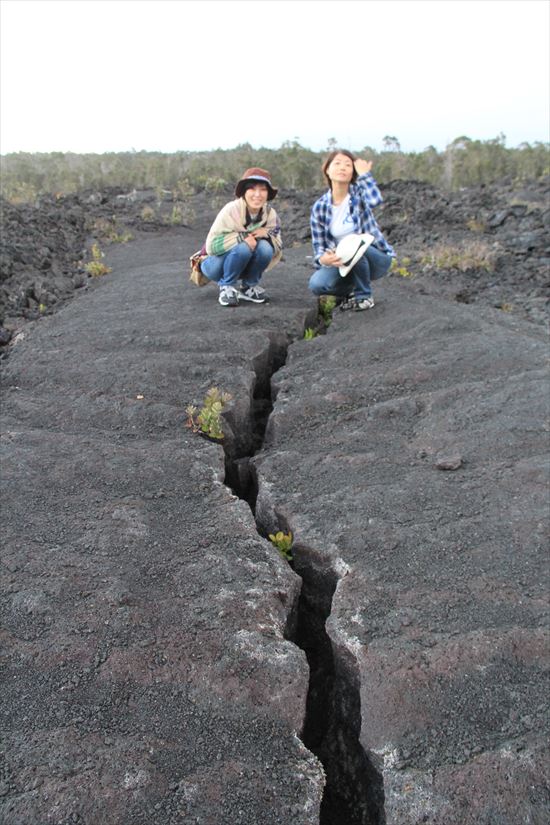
(331, 157)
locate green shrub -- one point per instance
(283, 543)
(96, 267)
(327, 305)
(215, 185)
(208, 419)
(401, 268)
(464, 258)
(148, 214)
(181, 214)
(108, 230)
(475, 225)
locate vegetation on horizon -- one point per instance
(465, 162)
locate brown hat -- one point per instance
(255, 174)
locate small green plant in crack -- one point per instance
(283, 543)
(309, 333)
(327, 305)
(208, 419)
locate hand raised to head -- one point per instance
(362, 166)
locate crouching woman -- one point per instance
(346, 208)
(244, 241)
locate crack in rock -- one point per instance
(354, 792)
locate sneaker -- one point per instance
(346, 303)
(228, 296)
(357, 304)
(363, 303)
(257, 294)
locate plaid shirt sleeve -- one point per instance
(366, 194)
(367, 188)
(321, 238)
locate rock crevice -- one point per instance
(354, 793)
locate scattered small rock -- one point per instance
(449, 462)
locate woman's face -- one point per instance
(340, 169)
(256, 196)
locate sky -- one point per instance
(189, 75)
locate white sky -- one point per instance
(168, 75)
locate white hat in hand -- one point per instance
(351, 249)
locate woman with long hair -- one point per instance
(346, 209)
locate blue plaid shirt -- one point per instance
(363, 194)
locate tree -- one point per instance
(391, 144)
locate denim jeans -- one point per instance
(240, 262)
(328, 281)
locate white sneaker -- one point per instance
(363, 303)
(228, 296)
(257, 294)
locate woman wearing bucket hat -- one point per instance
(350, 251)
(244, 241)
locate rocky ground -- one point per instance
(162, 663)
(486, 245)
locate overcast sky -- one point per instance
(168, 75)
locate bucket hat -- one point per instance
(350, 249)
(255, 173)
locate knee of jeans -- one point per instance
(379, 272)
(379, 263)
(315, 285)
(212, 267)
(264, 250)
(243, 249)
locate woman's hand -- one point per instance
(330, 258)
(251, 241)
(260, 233)
(362, 166)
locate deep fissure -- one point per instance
(354, 793)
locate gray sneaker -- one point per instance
(345, 303)
(357, 304)
(228, 296)
(364, 303)
(257, 294)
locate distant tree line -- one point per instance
(464, 162)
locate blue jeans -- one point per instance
(328, 281)
(240, 262)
